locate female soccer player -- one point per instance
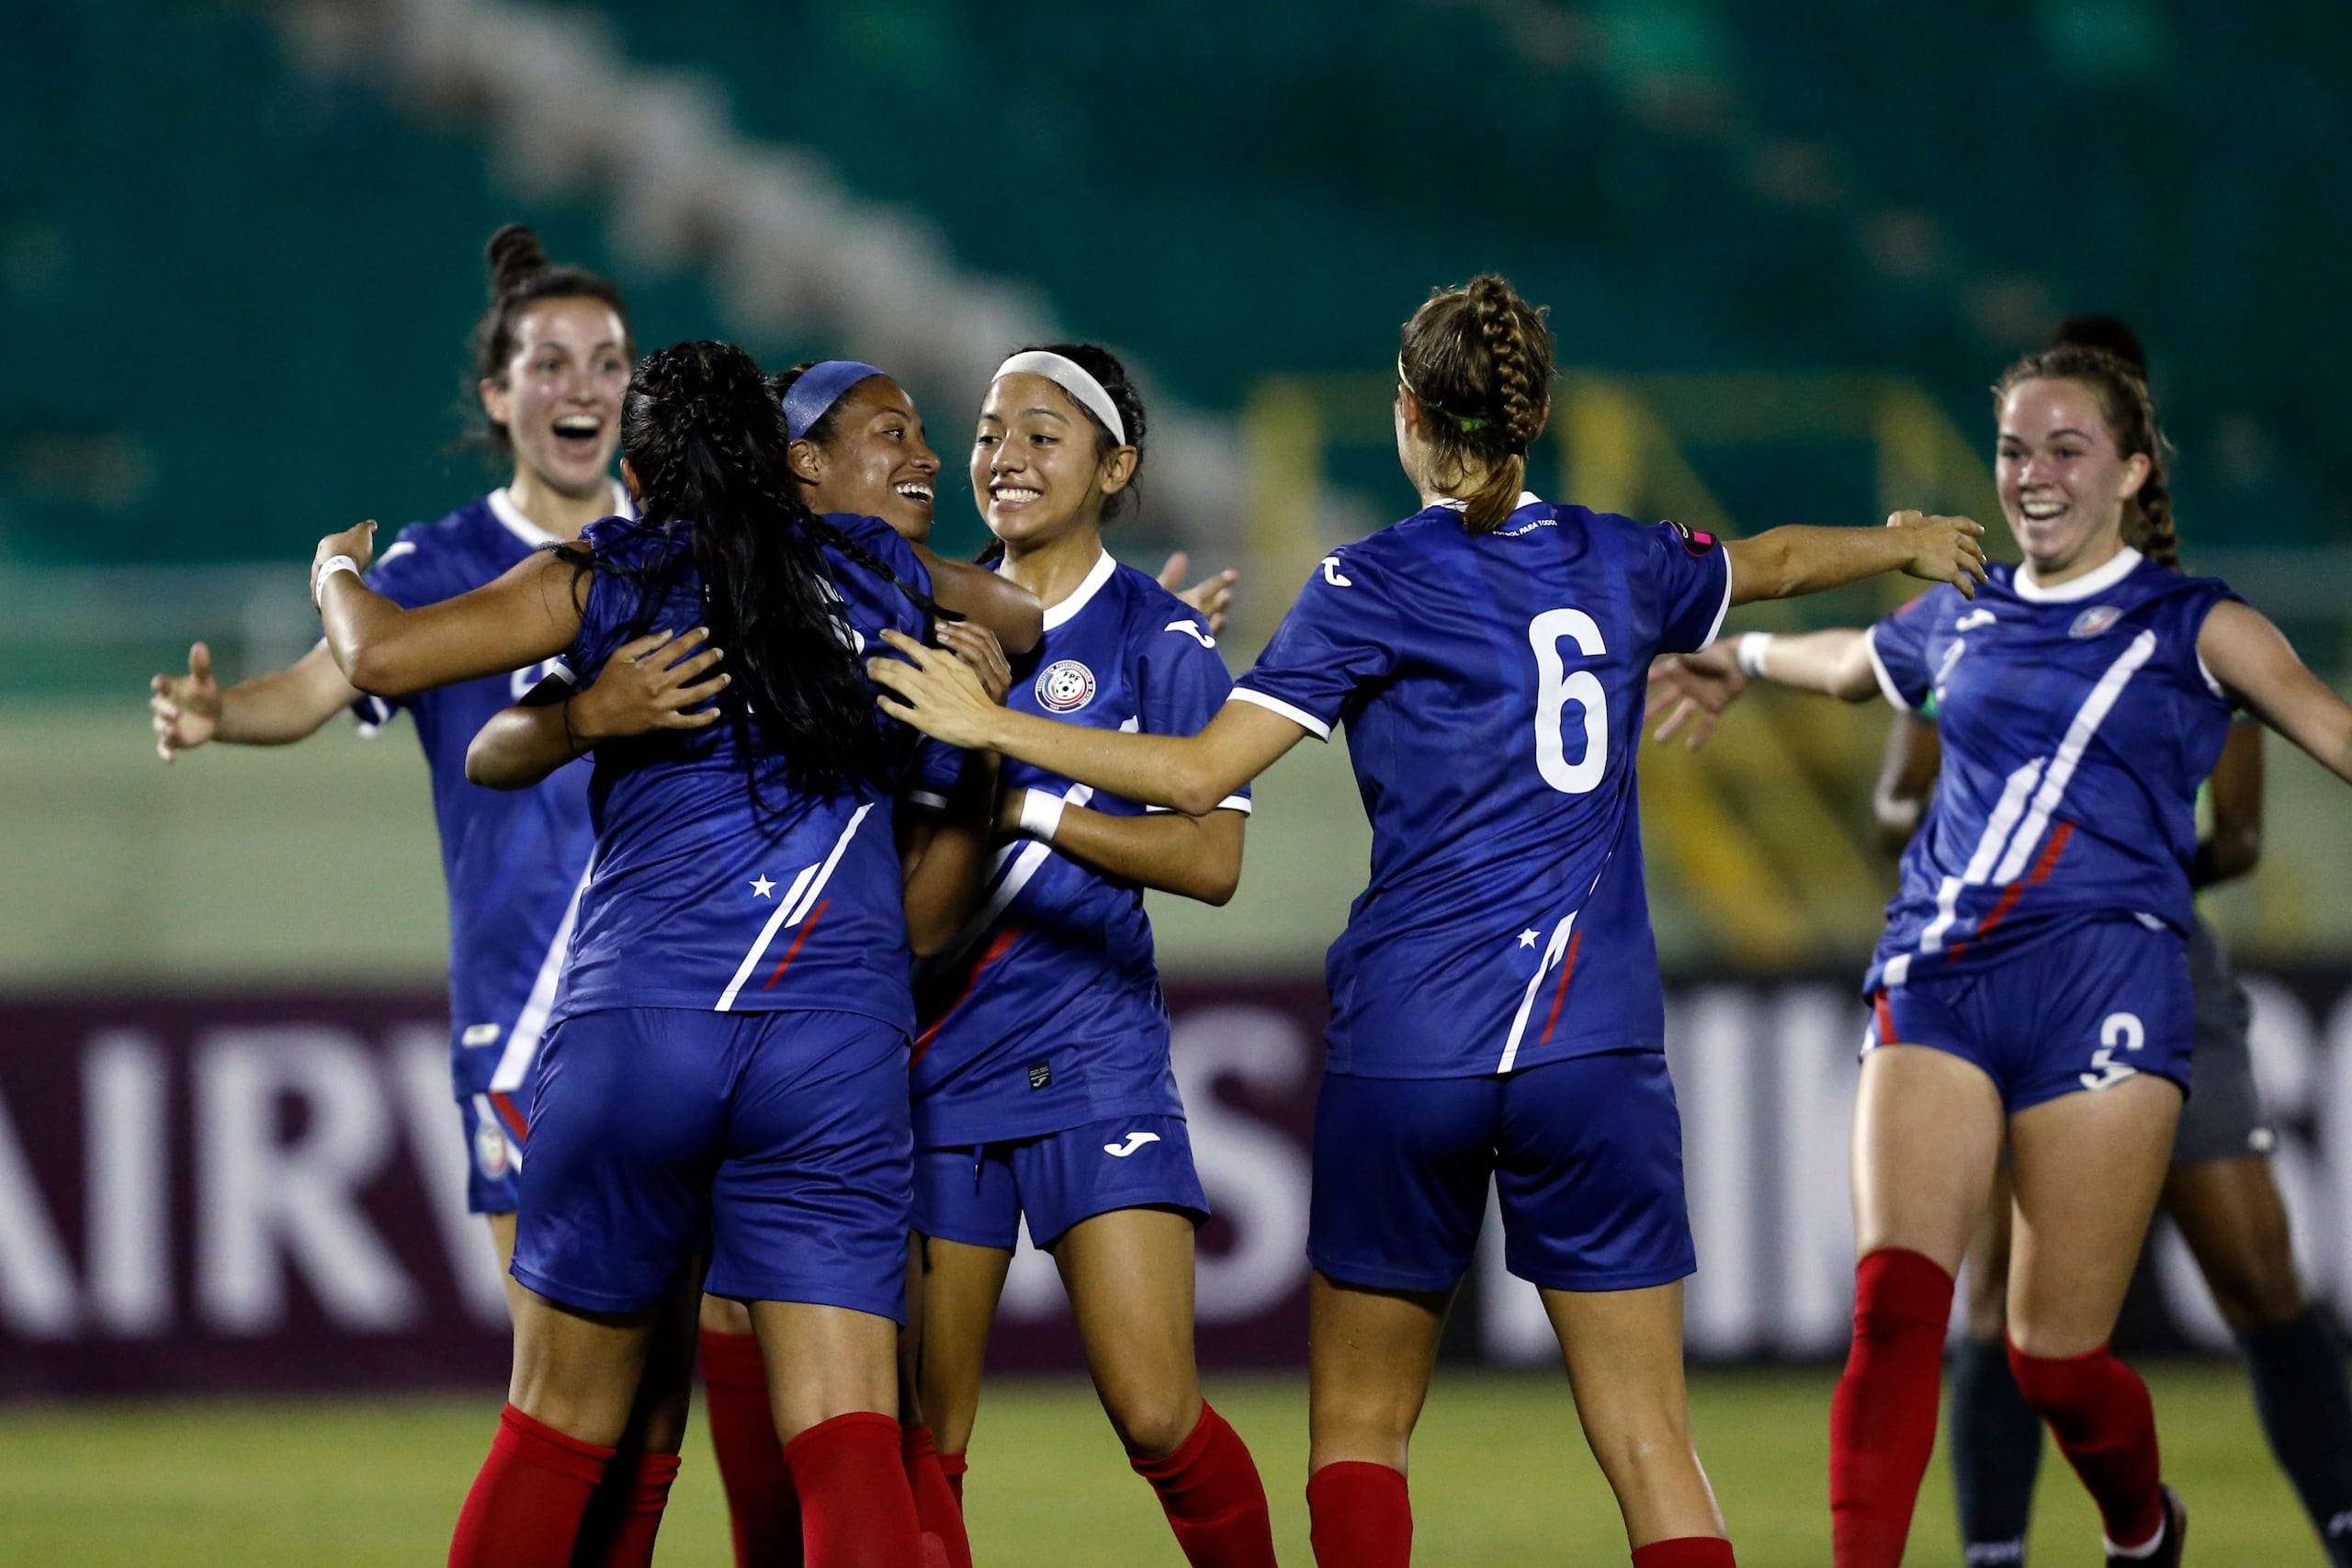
(858, 447)
(2220, 1191)
(1485, 655)
(1042, 1085)
(2033, 979)
(551, 353)
(727, 1057)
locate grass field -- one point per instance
(1500, 1476)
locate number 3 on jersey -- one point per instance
(1555, 689)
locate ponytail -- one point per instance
(1478, 359)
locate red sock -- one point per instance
(1685, 1551)
(762, 1511)
(1359, 1516)
(525, 1508)
(1214, 1502)
(1883, 1418)
(937, 1508)
(856, 1508)
(952, 1467)
(630, 1505)
(2099, 1410)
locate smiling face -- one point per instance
(874, 461)
(2062, 482)
(1038, 470)
(557, 397)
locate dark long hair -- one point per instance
(706, 440)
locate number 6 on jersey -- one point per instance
(1556, 690)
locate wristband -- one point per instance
(1041, 814)
(327, 568)
(1748, 653)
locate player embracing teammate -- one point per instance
(2033, 983)
(1497, 1007)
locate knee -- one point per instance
(1155, 1424)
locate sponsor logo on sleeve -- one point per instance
(1697, 543)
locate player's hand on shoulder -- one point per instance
(651, 683)
(1944, 549)
(981, 653)
(185, 708)
(935, 691)
(1211, 595)
(1692, 690)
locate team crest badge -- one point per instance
(2094, 620)
(489, 1151)
(1065, 686)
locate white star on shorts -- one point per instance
(1527, 939)
(763, 888)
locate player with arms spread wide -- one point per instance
(1495, 1000)
(2033, 982)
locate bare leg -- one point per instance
(1927, 1137)
(961, 1287)
(1625, 1355)
(1369, 1355)
(502, 1237)
(578, 1372)
(2230, 1213)
(1129, 1275)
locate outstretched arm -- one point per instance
(2255, 664)
(524, 616)
(282, 707)
(1191, 773)
(1782, 563)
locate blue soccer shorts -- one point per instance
(494, 1127)
(978, 1195)
(782, 1139)
(2080, 1012)
(1585, 1155)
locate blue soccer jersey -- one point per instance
(1492, 689)
(2078, 722)
(703, 895)
(1044, 1013)
(514, 859)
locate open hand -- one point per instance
(1944, 549)
(977, 647)
(936, 691)
(185, 708)
(1692, 690)
(650, 684)
(1211, 595)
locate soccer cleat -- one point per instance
(2166, 1553)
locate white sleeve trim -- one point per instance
(925, 798)
(557, 670)
(1878, 667)
(1723, 609)
(1299, 717)
(1230, 803)
(2210, 681)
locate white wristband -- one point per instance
(1748, 653)
(327, 568)
(1041, 814)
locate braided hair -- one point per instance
(708, 443)
(2103, 354)
(1478, 358)
(520, 276)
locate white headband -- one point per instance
(1072, 378)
